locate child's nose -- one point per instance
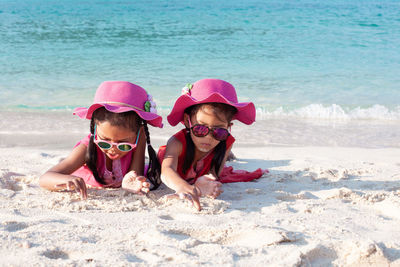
(210, 137)
(114, 147)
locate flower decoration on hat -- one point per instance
(150, 105)
(187, 88)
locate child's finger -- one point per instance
(218, 191)
(145, 190)
(210, 177)
(77, 188)
(82, 188)
(216, 194)
(196, 198)
(74, 184)
(60, 186)
(191, 199)
(196, 203)
(132, 173)
(141, 178)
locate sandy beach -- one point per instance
(324, 77)
(319, 206)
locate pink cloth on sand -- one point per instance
(112, 178)
(229, 175)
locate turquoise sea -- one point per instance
(307, 58)
(320, 72)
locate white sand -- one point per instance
(319, 206)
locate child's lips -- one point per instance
(205, 144)
(113, 156)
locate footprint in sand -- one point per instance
(181, 238)
(165, 217)
(55, 254)
(177, 234)
(252, 238)
(14, 226)
(256, 238)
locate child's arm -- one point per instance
(138, 156)
(58, 177)
(134, 181)
(171, 177)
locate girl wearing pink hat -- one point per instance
(113, 154)
(193, 159)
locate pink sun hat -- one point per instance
(120, 96)
(207, 91)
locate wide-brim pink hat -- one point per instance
(208, 91)
(120, 96)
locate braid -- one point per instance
(189, 153)
(218, 157)
(91, 154)
(154, 169)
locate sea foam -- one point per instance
(334, 111)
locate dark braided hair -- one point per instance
(91, 154)
(129, 120)
(220, 149)
(154, 169)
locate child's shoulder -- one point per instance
(84, 141)
(181, 135)
(176, 140)
(173, 147)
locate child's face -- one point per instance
(205, 116)
(114, 134)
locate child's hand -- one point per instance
(209, 186)
(190, 193)
(135, 184)
(77, 184)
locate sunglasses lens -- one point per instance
(200, 130)
(125, 147)
(220, 134)
(104, 145)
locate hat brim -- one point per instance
(152, 118)
(246, 110)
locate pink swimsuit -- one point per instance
(112, 178)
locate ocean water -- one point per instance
(330, 60)
(323, 58)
